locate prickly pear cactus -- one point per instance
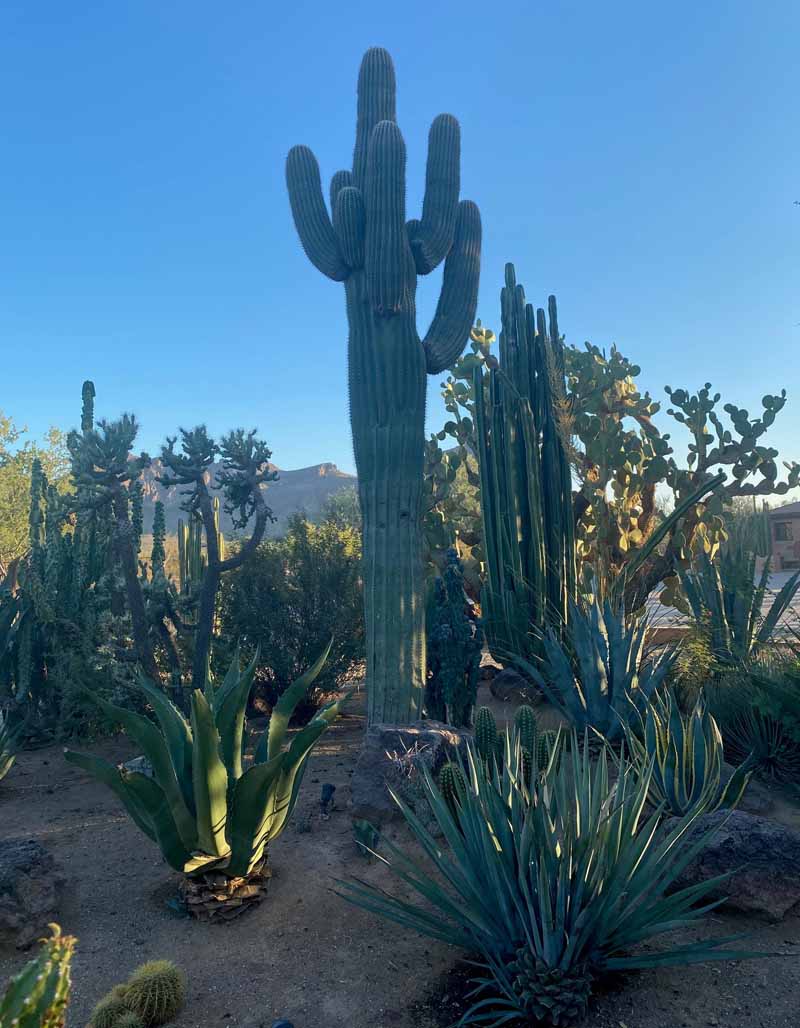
(367, 243)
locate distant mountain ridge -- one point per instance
(304, 489)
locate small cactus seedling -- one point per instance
(156, 992)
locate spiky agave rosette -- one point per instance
(212, 811)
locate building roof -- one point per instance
(791, 510)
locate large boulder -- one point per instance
(761, 856)
(30, 890)
(392, 756)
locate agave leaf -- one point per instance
(229, 716)
(153, 799)
(154, 747)
(110, 775)
(284, 708)
(252, 808)
(209, 778)
(177, 733)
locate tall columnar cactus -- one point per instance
(368, 245)
(526, 495)
(158, 552)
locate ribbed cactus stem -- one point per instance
(87, 408)
(486, 737)
(367, 243)
(525, 723)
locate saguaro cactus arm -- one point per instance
(458, 300)
(311, 216)
(432, 237)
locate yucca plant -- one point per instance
(553, 880)
(727, 603)
(38, 996)
(683, 756)
(596, 672)
(212, 815)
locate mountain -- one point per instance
(305, 489)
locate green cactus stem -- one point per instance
(486, 737)
(368, 245)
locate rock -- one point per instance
(30, 890)
(392, 755)
(510, 687)
(763, 856)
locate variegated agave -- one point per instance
(212, 815)
(553, 877)
(683, 754)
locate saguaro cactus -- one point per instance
(368, 245)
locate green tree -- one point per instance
(17, 454)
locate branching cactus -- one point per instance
(368, 245)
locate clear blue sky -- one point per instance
(639, 160)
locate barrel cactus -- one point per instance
(367, 244)
(156, 992)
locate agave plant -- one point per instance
(212, 815)
(683, 754)
(596, 672)
(727, 603)
(552, 879)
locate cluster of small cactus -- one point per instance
(153, 995)
(455, 642)
(535, 747)
(39, 995)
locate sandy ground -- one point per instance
(304, 954)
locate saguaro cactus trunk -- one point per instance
(368, 245)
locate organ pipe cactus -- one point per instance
(367, 244)
(526, 493)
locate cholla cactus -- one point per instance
(38, 996)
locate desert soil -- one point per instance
(305, 954)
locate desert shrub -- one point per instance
(552, 878)
(289, 600)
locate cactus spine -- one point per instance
(368, 245)
(525, 482)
